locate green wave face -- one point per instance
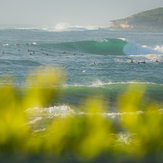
(77, 95)
(102, 47)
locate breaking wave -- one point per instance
(131, 48)
(108, 46)
(60, 27)
(102, 46)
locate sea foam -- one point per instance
(159, 48)
(131, 48)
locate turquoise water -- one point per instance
(96, 62)
(101, 47)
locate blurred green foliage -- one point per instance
(85, 137)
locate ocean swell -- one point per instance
(108, 46)
(102, 46)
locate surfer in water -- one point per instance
(142, 62)
(131, 61)
(156, 60)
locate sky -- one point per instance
(72, 12)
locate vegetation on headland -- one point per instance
(88, 137)
(150, 19)
(149, 16)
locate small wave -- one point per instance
(99, 83)
(67, 27)
(60, 27)
(62, 110)
(130, 82)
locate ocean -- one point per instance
(96, 62)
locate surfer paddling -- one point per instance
(142, 62)
(131, 61)
(158, 62)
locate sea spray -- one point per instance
(131, 48)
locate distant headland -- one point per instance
(146, 20)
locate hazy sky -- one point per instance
(74, 12)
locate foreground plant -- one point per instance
(84, 137)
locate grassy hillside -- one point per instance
(149, 16)
(146, 20)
